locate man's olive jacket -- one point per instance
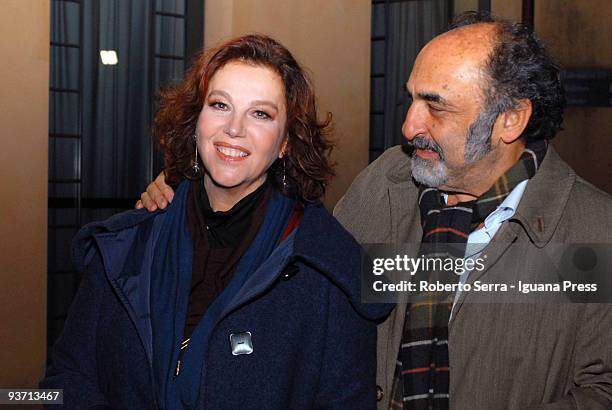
(503, 355)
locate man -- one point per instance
(486, 101)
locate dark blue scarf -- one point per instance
(170, 286)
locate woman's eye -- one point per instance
(218, 105)
(262, 115)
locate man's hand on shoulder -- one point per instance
(157, 195)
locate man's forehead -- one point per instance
(452, 60)
(443, 75)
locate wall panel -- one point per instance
(24, 80)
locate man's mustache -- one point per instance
(423, 143)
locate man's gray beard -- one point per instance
(430, 173)
(434, 174)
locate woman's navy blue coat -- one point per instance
(314, 343)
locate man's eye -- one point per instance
(434, 108)
(262, 115)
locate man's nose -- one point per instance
(235, 126)
(414, 123)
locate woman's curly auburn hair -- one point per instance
(308, 168)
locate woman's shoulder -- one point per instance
(324, 244)
(135, 217)
(320, 228)
(117, 223)
(116, 228)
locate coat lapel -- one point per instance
(501, 242)
(538, 215)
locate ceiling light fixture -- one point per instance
(109, 57)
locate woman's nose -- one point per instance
(235, 126)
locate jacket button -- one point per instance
(379, 393)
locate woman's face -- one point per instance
(241, 127)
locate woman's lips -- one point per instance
(228, 152)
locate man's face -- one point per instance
(446, 122)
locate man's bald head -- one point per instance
(463, 53)
(476, 40)
(515, 66)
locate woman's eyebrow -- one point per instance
(265, 102)
(221, 93)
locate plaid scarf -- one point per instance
(421, 379)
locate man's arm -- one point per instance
(157, 195)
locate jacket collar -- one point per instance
(401, 171)
(542, 204)
(545, 198)
(110, 229)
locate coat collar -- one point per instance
(400, 171)
(545, 198)
(540, 208)
(115, 229)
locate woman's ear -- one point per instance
(284, 148)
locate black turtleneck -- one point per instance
(219, 241)
(226, 228)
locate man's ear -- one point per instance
(513, 122)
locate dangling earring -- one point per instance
(195, 167)
(284, 181)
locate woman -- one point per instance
(244, 292)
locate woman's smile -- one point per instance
(228, 152)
